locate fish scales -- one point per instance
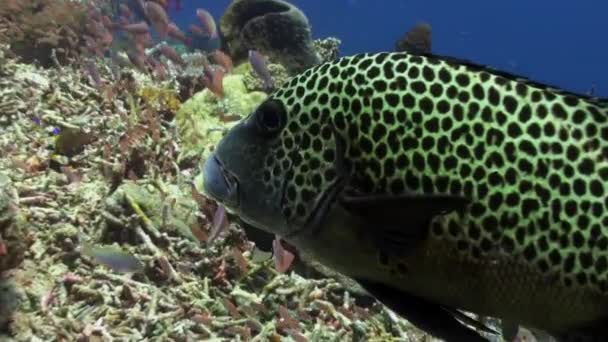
(531, 160)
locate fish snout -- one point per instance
(218, 183)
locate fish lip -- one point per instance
(220, 184)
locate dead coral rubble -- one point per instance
(118, 176)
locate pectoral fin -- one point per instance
(398, 223)
(428, 316)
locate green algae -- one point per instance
(165, 210)
(199, 121)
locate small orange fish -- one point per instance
(213, 80)
(208, 22)
(169, 52)
(125, 12)
(196, 30)
(223, 60)
(240, 260)
(105, 20)
(137, 28)
(157, 15)
(199, 233)
(3, 250)
(175, 33)
(229, 117)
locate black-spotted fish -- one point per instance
(438, 184)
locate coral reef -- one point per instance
(275, 28)
(200, 120)
(190, 79)
(36, 28)
(328, 49)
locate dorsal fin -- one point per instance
(473, 66)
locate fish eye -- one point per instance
(270, 117)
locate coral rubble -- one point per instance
(104, 152)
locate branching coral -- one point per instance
(33, 28)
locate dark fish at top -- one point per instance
(418, 40)
(438, 184)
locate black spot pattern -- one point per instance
(530, 158)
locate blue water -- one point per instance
(563, 43)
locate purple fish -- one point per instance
(258, 63)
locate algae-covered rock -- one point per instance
(13, 233)
(199, 120)
(161, 98)
(273, 27)
(171, 212)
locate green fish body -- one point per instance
(439, 185)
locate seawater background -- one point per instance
(563, 43)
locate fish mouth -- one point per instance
(220, 184)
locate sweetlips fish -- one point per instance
(439, 185)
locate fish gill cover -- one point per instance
(108, 109)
